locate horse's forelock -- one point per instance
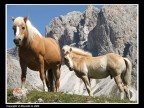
(66, 48)
(19, 21)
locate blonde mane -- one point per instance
(77, 50)
(32, 31)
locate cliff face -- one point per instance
(73, 28)
(110, 29)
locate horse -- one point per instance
(37, 53)
(111, 64)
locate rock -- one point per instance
(13, 52)
(40, 100)
(73, 28)
(133, 94)
(20, 93)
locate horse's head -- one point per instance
(68, 56)
(20, 30)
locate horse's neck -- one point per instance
(76, 58)
(77, 63)
(32, 44)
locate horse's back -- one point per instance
(104, 65)
(52, 41)
(113, 57)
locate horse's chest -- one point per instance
(28, 58)
(31, 60)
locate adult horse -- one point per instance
(37, 53)
(85, 66)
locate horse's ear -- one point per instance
(70, 49)
(13, 18)
(26, 18)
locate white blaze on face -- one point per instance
(66, 48)
(70, 61)
(18, 21)
(17, 31)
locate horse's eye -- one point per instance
(23, 28)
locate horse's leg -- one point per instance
(57, 77)
(47, 79)
(23, 75)
(50, 73)
(42, 73)
(89, 81)
(120, 85)
(87, 84)
(126, 89)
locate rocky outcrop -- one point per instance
(73, 28)
(110, 29)
(20, 94)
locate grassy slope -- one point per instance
(53, 97)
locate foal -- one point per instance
(85, 66)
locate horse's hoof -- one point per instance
(45, 90)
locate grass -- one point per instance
(53, 97)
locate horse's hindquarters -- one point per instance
(52, 51)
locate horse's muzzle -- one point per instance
(17, 41)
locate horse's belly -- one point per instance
(33, 67)
(98, 74)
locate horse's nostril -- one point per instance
(16, 41)
(19, 39)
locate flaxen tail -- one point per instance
(127, 74)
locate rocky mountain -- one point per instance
(110, 29)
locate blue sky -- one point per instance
(39, 15)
